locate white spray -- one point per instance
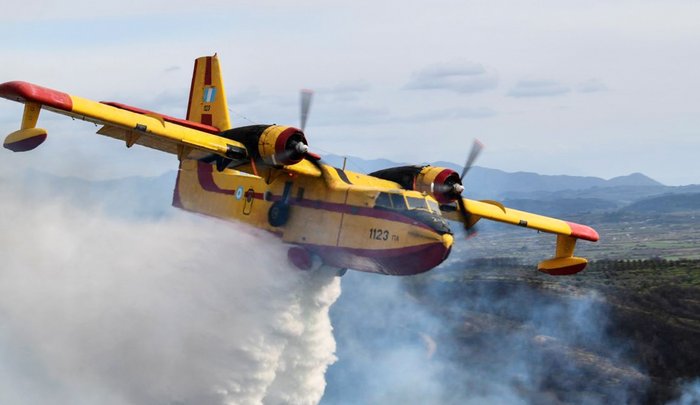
(184, 310)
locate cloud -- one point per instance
(591, 86)
(452, 114)
(353, 87)
(346, 91)
(538, 88)
(463, 77)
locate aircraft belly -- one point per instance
(398, 261)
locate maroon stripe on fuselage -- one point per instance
(403, 261)
(23, 91)
(205, 175)
(360, 211)
(206, 119)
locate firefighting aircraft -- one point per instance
(392, 221)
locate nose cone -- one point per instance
(447, 241)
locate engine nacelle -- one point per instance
(282, 146)
(276, 145)
(442, 183)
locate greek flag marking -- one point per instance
(209, 94)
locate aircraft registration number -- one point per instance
(381, 234)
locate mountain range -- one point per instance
(547, 194)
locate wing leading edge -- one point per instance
(140, 127)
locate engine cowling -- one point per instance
(281, 146)
(442, 183)
(276, 145)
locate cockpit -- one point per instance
(419, 208)
(401, 202)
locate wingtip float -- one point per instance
(390, 222)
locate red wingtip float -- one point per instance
(392, 221)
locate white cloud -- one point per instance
(591, 86)
(104, 52)
(463, 77)
(538, 88)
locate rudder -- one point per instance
(207, 103)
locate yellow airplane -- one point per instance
(392, 221)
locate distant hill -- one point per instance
(485, 183)
(127, 197)
(556, 195)
(563, 207)
(667, 203)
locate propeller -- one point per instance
(458, 188)
(299, 149)
(306, 96)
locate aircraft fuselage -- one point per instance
(340, 217)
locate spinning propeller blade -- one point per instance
(306, 96)
(477, 147)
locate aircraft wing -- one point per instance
(567, 232)
(133, 125)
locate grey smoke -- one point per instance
(489, 342)
(179, 310)
(690, 394)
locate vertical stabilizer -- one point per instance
(207, 102)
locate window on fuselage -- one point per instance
(398, 201)
(390, 201)
(382, 200)
(434, 206)
(415, 203)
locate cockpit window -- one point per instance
(398, 202)
(390, 200)
(434, 206)
(417, 203)
(383, 200)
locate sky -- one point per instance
(593, 88)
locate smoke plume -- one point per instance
(436, 339)
(179, 310)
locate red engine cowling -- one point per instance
(282, 146)
(442, 183)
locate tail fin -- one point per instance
(207, 103)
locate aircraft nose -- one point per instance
(447, 240)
